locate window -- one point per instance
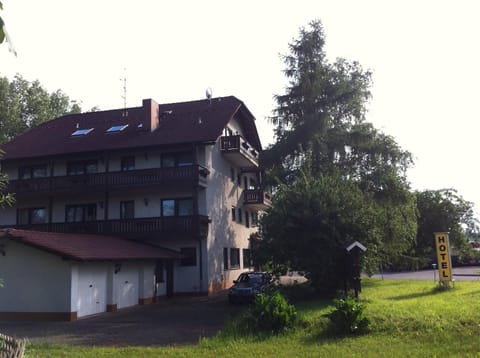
(168, 207)
(245, 182)
(32, 171)
(225, 258)
(254, 218)
(247, 219)
(118, 128)
(81, 167)
(168, 160)
(127, 163)
(191, 256)
(183, 159)
(81, 132)
(81, 213)
(232, 174)
(253, 184)
(185, 207)
(239, 179)
(240, 215)
(127, 209)
(234, 258)
(247, 258)
(29, 216)
(234, 211)
(159, 272)
(177, 207)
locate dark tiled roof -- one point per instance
(89, 247)
(179, 123)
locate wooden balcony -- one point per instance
(256, 199)
(167, 228)
(239, 151)
(174, 177)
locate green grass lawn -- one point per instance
(408, 319)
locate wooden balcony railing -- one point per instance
(192, 174)
(166, 227)
(257, 199)
(239, 151)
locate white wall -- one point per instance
(186, 279)
(221, 195)
(8, 216)
(34, 281)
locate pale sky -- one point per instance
(424, 56)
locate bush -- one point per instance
(270, 313)
(348, 316)
(299, 292)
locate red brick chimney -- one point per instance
(152, 114)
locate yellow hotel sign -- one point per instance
(443, 256)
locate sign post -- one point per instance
(354, 250)
(443, 257)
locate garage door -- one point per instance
(92, 287)
(126, 281)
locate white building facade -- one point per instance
(183, 176)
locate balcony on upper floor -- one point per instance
(166, 228)
(257, 199)
(239, 151)
(173, 177)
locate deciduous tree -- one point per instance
(25, 104)
(442, 210)
(4, 34)
(5, 198)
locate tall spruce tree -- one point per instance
(321, 133)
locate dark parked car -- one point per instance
(248, 286)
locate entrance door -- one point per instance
(127, 286)
(92, 288)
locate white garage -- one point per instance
(91, 289)
(126, 285)
(57, 276)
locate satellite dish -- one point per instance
(208, 93)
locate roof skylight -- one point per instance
(80, 132)
(117, 128)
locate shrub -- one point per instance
(348, 316)
(270, 313)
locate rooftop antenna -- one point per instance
(124, 80)
(208, 93)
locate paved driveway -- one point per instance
(175, 321)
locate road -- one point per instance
(470, 273)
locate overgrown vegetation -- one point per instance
(408, 319)
(270, 313)
(348, 316)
